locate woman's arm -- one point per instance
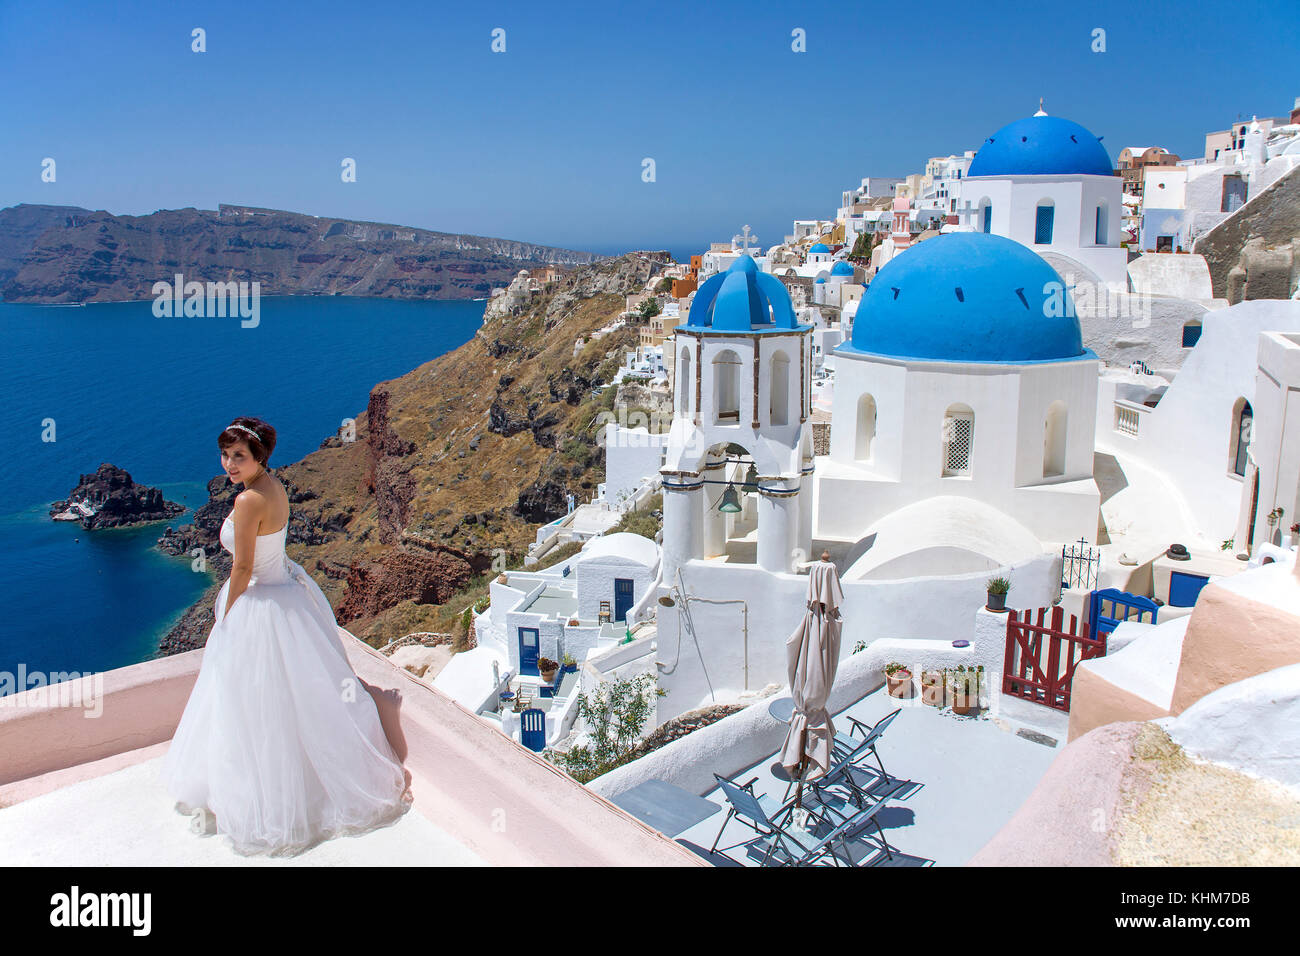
(246, 516)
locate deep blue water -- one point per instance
(151, 395)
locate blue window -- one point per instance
(988, 218)
(1191, 334)
(1043, 225)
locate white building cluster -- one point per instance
(1002, 381)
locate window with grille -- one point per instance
(959, 437)
(1043, 225)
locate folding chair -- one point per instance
(776, 838)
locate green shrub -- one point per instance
(615, 716)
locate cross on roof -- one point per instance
(743, 239)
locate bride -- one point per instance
(280, 741)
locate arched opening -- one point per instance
(866, 431)
(1243, 420)
(1103, 226)
(958, 440)
(684, 382)
(1044, 215)
(1191, 333)
(1054, 440)
(986, 215)
(779, 394)
(726, 387)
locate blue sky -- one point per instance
(545, 141)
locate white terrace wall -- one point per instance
(909, 609)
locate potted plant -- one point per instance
(547, 668)
(964, 689)
(899, 680)
(932, 688)
(570, 665)
(1289, 539)
(997, 593)
(573, 622)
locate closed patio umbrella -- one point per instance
(812, 658)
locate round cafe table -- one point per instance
(782, 709)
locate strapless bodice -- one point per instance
(270, 564)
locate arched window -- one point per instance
(958, 440)
(1054, 440)
(1103, 225)
(1243, 420)
(779, 397)
(866, 431)
(1043, 222)
(726, 387)
(1191, 333)
(684, 382)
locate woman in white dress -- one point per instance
(280, 743)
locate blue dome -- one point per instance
(820, 279)
(842, 269)
(967, 297)
(742, 299)
(1041, 146)
(819, 247)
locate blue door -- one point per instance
(622, 598)
(988, 218)
(528, 648)
(1111, 606)
(1184, 588)
(532, 729)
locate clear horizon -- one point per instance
(545, 142)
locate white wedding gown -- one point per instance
(280, 742)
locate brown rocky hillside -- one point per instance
(465, 454)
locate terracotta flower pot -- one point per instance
(899, 684)
(932, 689)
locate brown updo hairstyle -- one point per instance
(260, 447)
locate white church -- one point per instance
(1048, 183)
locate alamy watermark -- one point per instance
(37, 689)
(212, 300)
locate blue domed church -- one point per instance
(740, 436)
(1049, 184)
(964, 413)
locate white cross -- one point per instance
(744, 239)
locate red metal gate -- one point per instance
(1045, 678)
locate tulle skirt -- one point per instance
(280, 745)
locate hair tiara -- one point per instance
(246, 429)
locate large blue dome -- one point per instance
(742, 299)
(967, 297)
(1040, 146)
(842, 268)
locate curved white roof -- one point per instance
(946, 523)
(623, 544)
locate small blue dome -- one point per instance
(742, 299)
(967, 297)
(1041, 146)
(819, 247)
(842, 269)
(820, 279)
